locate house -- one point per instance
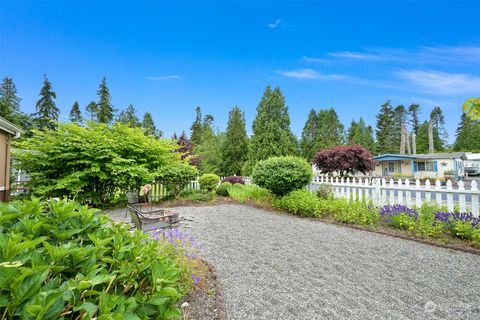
(421, 166)
(8, 131)
(472, 164)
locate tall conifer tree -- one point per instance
(75, 113)
(47, 112)
(196, 128)
(330, 131)
(413, 117)
(129, 117)
(105, 111)
(467, 137)
(9, 101)
(385, 131)
(309, 136)
(235, 146)
(149, 127)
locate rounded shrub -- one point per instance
(222, 189)
(280, 175)
(209, 182)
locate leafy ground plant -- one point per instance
(63, 260)
(399, 216)
(246, 193)
(301, 202)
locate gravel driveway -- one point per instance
(276, 266)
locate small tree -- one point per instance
(345, 160)
(177, 177)
(75, 113)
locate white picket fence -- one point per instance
(380, 192)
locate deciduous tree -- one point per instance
(345, 160)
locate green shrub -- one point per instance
(65, 261)
(209, 182)
(177, 177)
(94, 164)
(354, 212)
(201, 197)
(251, 192)
(426, 225)
(280, 175)
(222, 189)
(301, 202)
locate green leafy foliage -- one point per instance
(249, 193)
(234, 149)
(281, 175)
(467, 136)
(222, 189)
(301, 202)
(176, 177)
(472, 108)
(209, 182)
(61, 261)
(93, 164)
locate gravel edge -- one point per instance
(219, 301)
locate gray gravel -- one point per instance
(276, 266)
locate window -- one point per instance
(391, 167)
(425, 166)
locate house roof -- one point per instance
(445, 155)
(10, 128)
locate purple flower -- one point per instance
(452, 217)
(389, 211)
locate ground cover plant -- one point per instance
(62, 260)
(249, 193)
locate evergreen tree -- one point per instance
(309, 136)
(385, 131)
(235, 145)
(75, 114)
(92, 109)
(467, 137)
(148, 126)
(105, 111)
(330, 131)
(129, 117)
(361, 134)
(438, 122)
(414, 113)
(399, 121)
(271, 130)
(196, 128)
(9, 101)
(47, 112)
(422, 139)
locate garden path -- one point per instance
(277, 266)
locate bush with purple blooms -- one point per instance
(233, 179)
(460, 225)
(182, 248)
(399, 216)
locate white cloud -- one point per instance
(441, 82)
(163, 78)
(356, 55)
(275, 24)
(317, 60)
(310, 74)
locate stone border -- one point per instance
(219, 301)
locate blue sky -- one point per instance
(167, 58)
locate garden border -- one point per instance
(219, 301)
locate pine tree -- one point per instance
(271, 130)
(47, 112)
(92, 109)
(361, 134)
(309, 136)
(129, 117)
(438, 121)
(385, 131)
(196, 128)
(75, 114)
(235, 146)
(148, 126)
(467, 137)
(330, 131)
(422, 139)
(414, 113)
(399, 121)
(9, 101)
(105, 111)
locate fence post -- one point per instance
(342, 189)
(367, 191)
(428, 194)
(348, 189)
(438, 193)
(400, 191)
(461, 197)
(383, 192)
(355, 190)
(418, 194)
(449, 196)
(392, 191)
(408, 193)
(474, 199)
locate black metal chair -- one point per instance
(148, 222)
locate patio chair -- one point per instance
(148, 222)
(133, 199)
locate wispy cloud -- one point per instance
(356, 55)
(164, 78)
(275, 24)
(441, 83)
(309, 74)
(317, 60)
